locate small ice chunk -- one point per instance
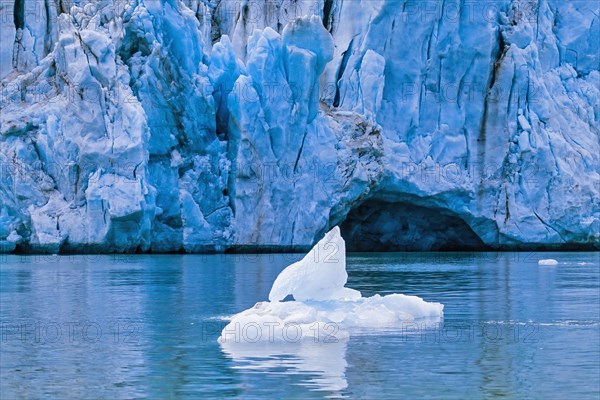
(548, 261)
(524, 123)
(523, 140)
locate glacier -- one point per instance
(322, 309)
(222, 125)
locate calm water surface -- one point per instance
(116, 327)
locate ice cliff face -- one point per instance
(207, 125)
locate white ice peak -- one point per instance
(320, 275)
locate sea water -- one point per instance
(146, 326)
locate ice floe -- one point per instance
(323, 309)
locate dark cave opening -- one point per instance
(19, 14)
(383, 226)
(327, 17)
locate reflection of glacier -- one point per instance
(324, 364)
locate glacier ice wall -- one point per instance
(208, 125)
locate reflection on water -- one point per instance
(146, 326)
(321, 366)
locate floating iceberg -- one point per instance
(548, 261)
(323, 309)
